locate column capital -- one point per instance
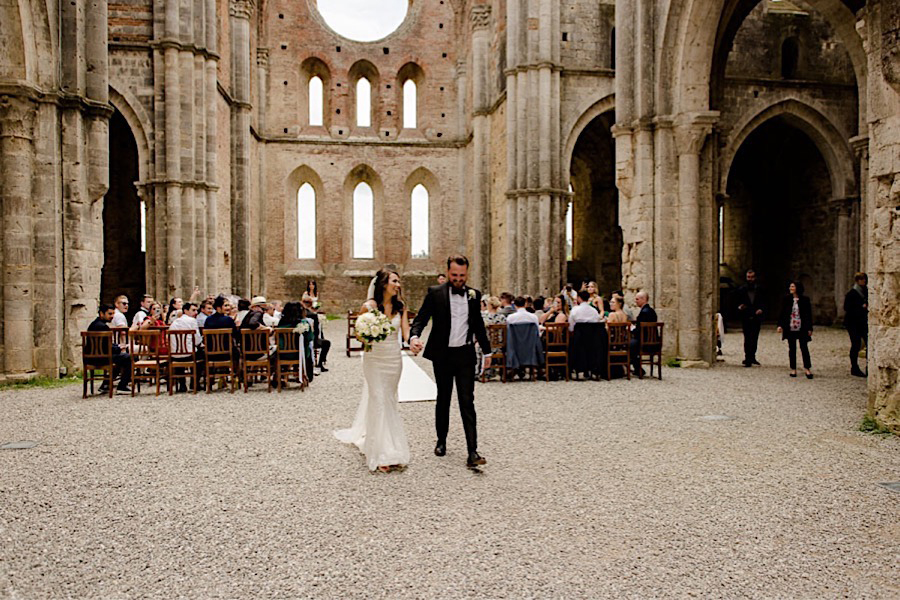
(844, 205)
(860, 146)
(17, 116)
(262, 57)
(480, 16)
(242, 9)
(692, 129)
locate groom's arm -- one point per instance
(481, 333)
(422, 317)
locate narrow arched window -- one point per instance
(316, 101)
(363, 222)
(612, 48)
(306, 221)
(570, 225)
(790, 55)
(409, 104)
(143, 226)
(419, 222)
(363, 103)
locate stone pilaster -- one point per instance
(240, 12)
(17, 118)
(479, 215)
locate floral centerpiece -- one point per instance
(373, 327)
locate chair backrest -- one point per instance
(651, 335)
(96, 347)
(120, 336)
(286, 341)
(144, 344)
(351, 323)
(557, 336)
(181, 342)
(497, 335)
(218, 344)
(619, 336)
(523, 345)
(254, 341)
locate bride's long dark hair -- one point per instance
(381, 280)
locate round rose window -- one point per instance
(363, 20)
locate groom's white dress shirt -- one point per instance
(583, 313)
(459, 319)
(522, 316)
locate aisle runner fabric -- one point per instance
(415, 384)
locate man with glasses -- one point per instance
(119, 319)
(319, 340)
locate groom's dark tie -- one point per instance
(458, 291)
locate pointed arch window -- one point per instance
(570, 224)
(790, 55)
(363, 103)
(409, 104)
(419, 222)
(316, 101)
(306, 221)
(363, 221)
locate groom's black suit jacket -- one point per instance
(437, 306)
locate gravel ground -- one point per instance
(592, 489)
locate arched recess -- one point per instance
(831, 144)
(597, 236)
(309, 68)
(778, 216)
(293, 182)
(14, 60)
(426, 178)
(364, 69)
(701, 32)
(362, 173)
(139, 123)
(411, 72)
(124, 259)
(599, 107)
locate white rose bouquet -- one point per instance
(373, 327)
(302, 327)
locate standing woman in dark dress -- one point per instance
(795, 325)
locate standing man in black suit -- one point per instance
(856, 319)
(646, 315)
(456, 310)
(751, 309)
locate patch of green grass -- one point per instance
(331, 317)
(673, 363)
(42, 382)
(870, 425)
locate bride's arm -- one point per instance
(369, 305)
(404, 325)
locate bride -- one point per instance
(377, 429)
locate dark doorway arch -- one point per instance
(124, 258)
(778, 218)
(596, 234)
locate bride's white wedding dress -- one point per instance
(377, 429)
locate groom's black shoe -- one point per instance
(474, 460)
(440, 449)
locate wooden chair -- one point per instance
(289, 357)
(120, 336)
(618, 350)
(353, 344)
(497, 336)
(556, 353)
(650, 345)
(255, 356)
(183, 362)
(97, 355)
(219, 345)
(147, 363)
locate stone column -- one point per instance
(480, 217)
(860, 145)
(212, 252)
(513, 28)
(17, 117)
(240, 12)
(845, 250)
(262, 78)
(691, 133)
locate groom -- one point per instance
(456, 310)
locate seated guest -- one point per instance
(187, 322)
(506, 301)
(294, 314)
(493, 316)
(154, 321)
(617, 312)
(529, 304)
(569, 294)
(625, 308)
(143, 311)
(277, 307)
(254, 318)
(319, 340)
(521, 315)
(442, 279)
(206, 309)
(119, 319)
(583, 312)
(558, 313)
(233, 310)
(243, 308)
(174, 311)
(646, 315)
(595, 300)
(220, 319)
(121, 359)
(269, 318)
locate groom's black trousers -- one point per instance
(458, 364)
